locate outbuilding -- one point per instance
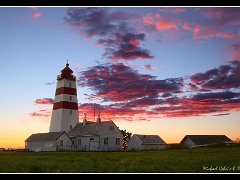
(52, 141)
(146, 142)
(191, 141)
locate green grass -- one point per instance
(164, 161)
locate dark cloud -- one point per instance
(222, 114)
(113, 31)
(199, 105)
(224, 77)
(236, 46)
(125, 47)
(117, 82)
(96, 21)
(215, 96)
(134, 94)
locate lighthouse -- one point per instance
(65, 108)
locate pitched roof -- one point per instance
(92, 128)
(51, 136)
(206, 139)
(150, 139)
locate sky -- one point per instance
(169, 71)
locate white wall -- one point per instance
(41, 146)
(67, 143)
(153, 146)
(50, 145)
(62, 119)
(66, 83)
(134, 143)
(65, 97)
(86, 143)
(111, 135)
(188, 143)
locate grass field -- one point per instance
(221, 159)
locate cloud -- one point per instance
(149, 67)
(214, 96)
(44, 101)
(201, 104)
(96, 21)
(50, 83)
(236, 50)
(209, 31)
(125, 47)
(223, 16)
(221, 19)
(113, 30)
(186, 26)
(117, 82)
(236, 46)
(41, 113)
(158, 23)
(222, 114)
(224, 77)
(133, 95)
(36, 13)
(173, 10)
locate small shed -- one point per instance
(52, 141)
(191, 141)
(146, 142)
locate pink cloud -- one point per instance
(149, 67)
(159, 23)
(45, 101)
(165, 25)
(186, 26)
(36, 15)
(203, 31)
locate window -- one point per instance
(117, 141)
(70, 98)
(111, 128)
(91, 139)
(72, 142)
(70, 111)
(79, 142)
(105, 140)
(70, 126)
(70, 84)
(61, 142)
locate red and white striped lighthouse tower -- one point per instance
(65, 108)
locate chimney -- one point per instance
(98, 119)
(84, 120)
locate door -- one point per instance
(91, 146)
